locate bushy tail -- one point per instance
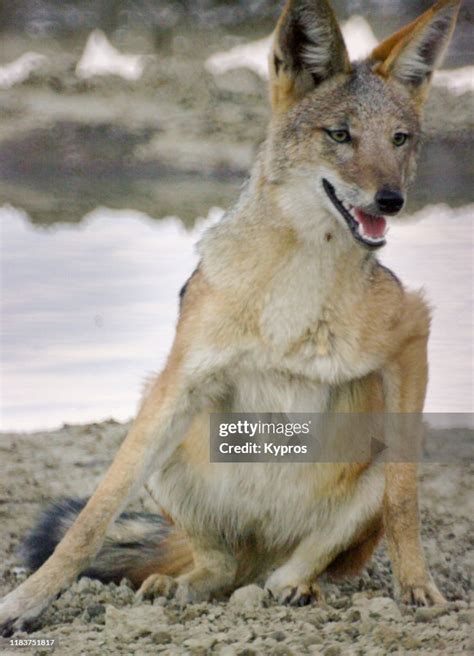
(137, 544)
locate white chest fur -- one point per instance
(297, 296)
(307, 328)
(272, 391)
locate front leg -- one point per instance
(190, 378)
(405, 381)
(158, 429)
(413, 582)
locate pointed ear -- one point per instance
(308, 48)
(412, 54)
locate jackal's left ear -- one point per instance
(412, 54)
(308, 48)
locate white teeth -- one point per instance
(373, 240)
(369, 238)
(361, 231)
(360, 226)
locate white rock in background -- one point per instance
(359, 37)
(457, 80)
(101, 58)
(19, 70)
(254, 55)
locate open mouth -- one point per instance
(368, 229)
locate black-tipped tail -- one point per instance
(136, 545)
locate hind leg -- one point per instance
(343, 526)
(294, 582)
(214, 572)
(351, 561)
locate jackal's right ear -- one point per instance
(308, 48)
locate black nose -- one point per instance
(389, 201)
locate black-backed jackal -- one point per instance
(289, 310)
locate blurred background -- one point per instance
(125, 127)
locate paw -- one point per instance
(157, 585)
(17, 614)
(426, 594)
(299, 595)
(7, 626)
(160, 585)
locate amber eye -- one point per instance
(399, 139)
(340, 136)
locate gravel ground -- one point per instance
(360, 616)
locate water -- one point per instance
(434, 252)
(87, 313)
(89, 310)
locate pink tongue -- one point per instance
(374, 226)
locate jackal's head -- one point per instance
(346, 135)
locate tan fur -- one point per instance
(352, 561)
(402, 46)
(386, 51)
(174, 557)
(286, 313)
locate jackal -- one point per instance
(289, 310)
